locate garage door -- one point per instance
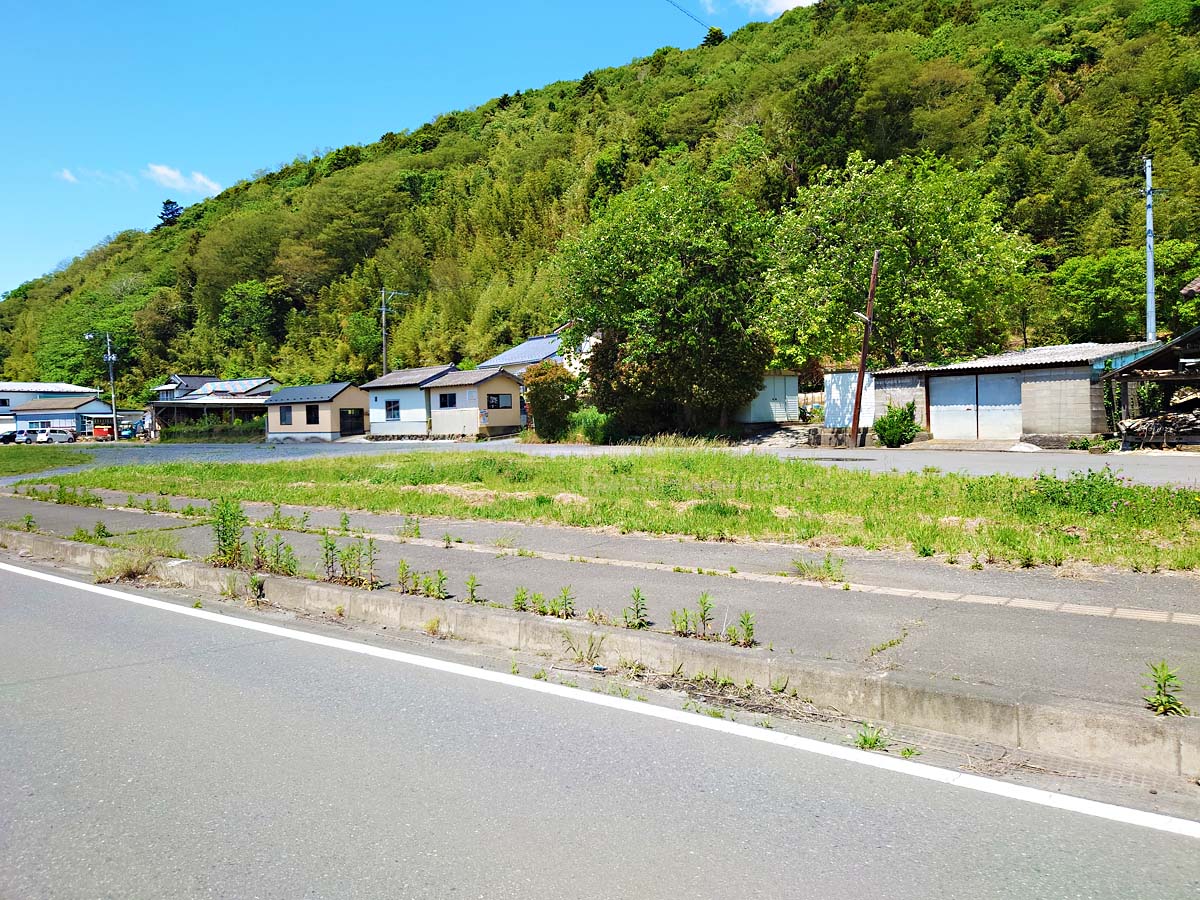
(1000, 407)
(952, 407)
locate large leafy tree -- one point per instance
(949, 275)
(669, 274)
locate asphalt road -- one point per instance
(151, 754)
(1143, 467)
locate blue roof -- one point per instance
(544, 346)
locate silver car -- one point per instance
(56, 436)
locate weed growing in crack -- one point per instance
(635, 615)
(828, 569)
(473, 590)
(870, 737)
(1165, 684)
(228, 520)
(521, 600)
(404, 576)
(584, 653)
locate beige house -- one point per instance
(475, 402)
(319, 412)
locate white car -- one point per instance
(55, 436)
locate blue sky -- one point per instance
(110, 108)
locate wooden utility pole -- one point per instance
(867, 320)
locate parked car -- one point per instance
(56, 436)
(21, 436)
(8, 437)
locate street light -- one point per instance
(109, 357)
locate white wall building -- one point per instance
(399, 404)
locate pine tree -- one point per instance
(715, 36)
(171, 211)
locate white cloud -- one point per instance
(67, 175)
(121, 179)
(196, 183)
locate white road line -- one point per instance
(1094, 808)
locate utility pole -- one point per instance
(109, 357)
(867, 321)
(384, 296)
(1151, 323)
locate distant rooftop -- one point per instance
(1056, 355)
(534, 350)
(409, 377)
(310, 393)
(469, 377)
(234, 386)
(43, 387)
(58, 403)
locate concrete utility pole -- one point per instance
(384, 296)
(109, 357)
(867, 321)
(1151, 323)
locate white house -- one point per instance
(399, 404)
(18, 393)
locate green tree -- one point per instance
(552, 394)
(171, 211)
(670, 273)
(714, 38)
(948, 278)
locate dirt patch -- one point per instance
(685, 505)
(782, 512)
(968, 525)
(300, 484)
(473, 496)
(570, 499)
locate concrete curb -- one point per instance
(1097, 733)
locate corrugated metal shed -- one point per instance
(1056, 355)
(49, 403)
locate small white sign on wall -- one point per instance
(472, 397)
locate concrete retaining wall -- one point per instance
(1093, 732)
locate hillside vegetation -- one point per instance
(1044, 109)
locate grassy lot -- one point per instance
(710, 494)
(23, 460)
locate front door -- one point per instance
(351, 421)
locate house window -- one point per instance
(312, 414)
(40, 426)
(391, 409)
(447, 401)
(285, 415)
(499, 401)
(3, 401)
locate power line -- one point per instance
(689, 14)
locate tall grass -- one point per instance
(25, 460)
(711, 494)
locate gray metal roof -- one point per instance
(533, 350)
(409, 377)
(1191, 289)
(469, 377)
(58, 403)
(311, 393)
(1056, 355)
(43, 387)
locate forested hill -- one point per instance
(1051, 104)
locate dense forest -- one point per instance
(993, 145)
